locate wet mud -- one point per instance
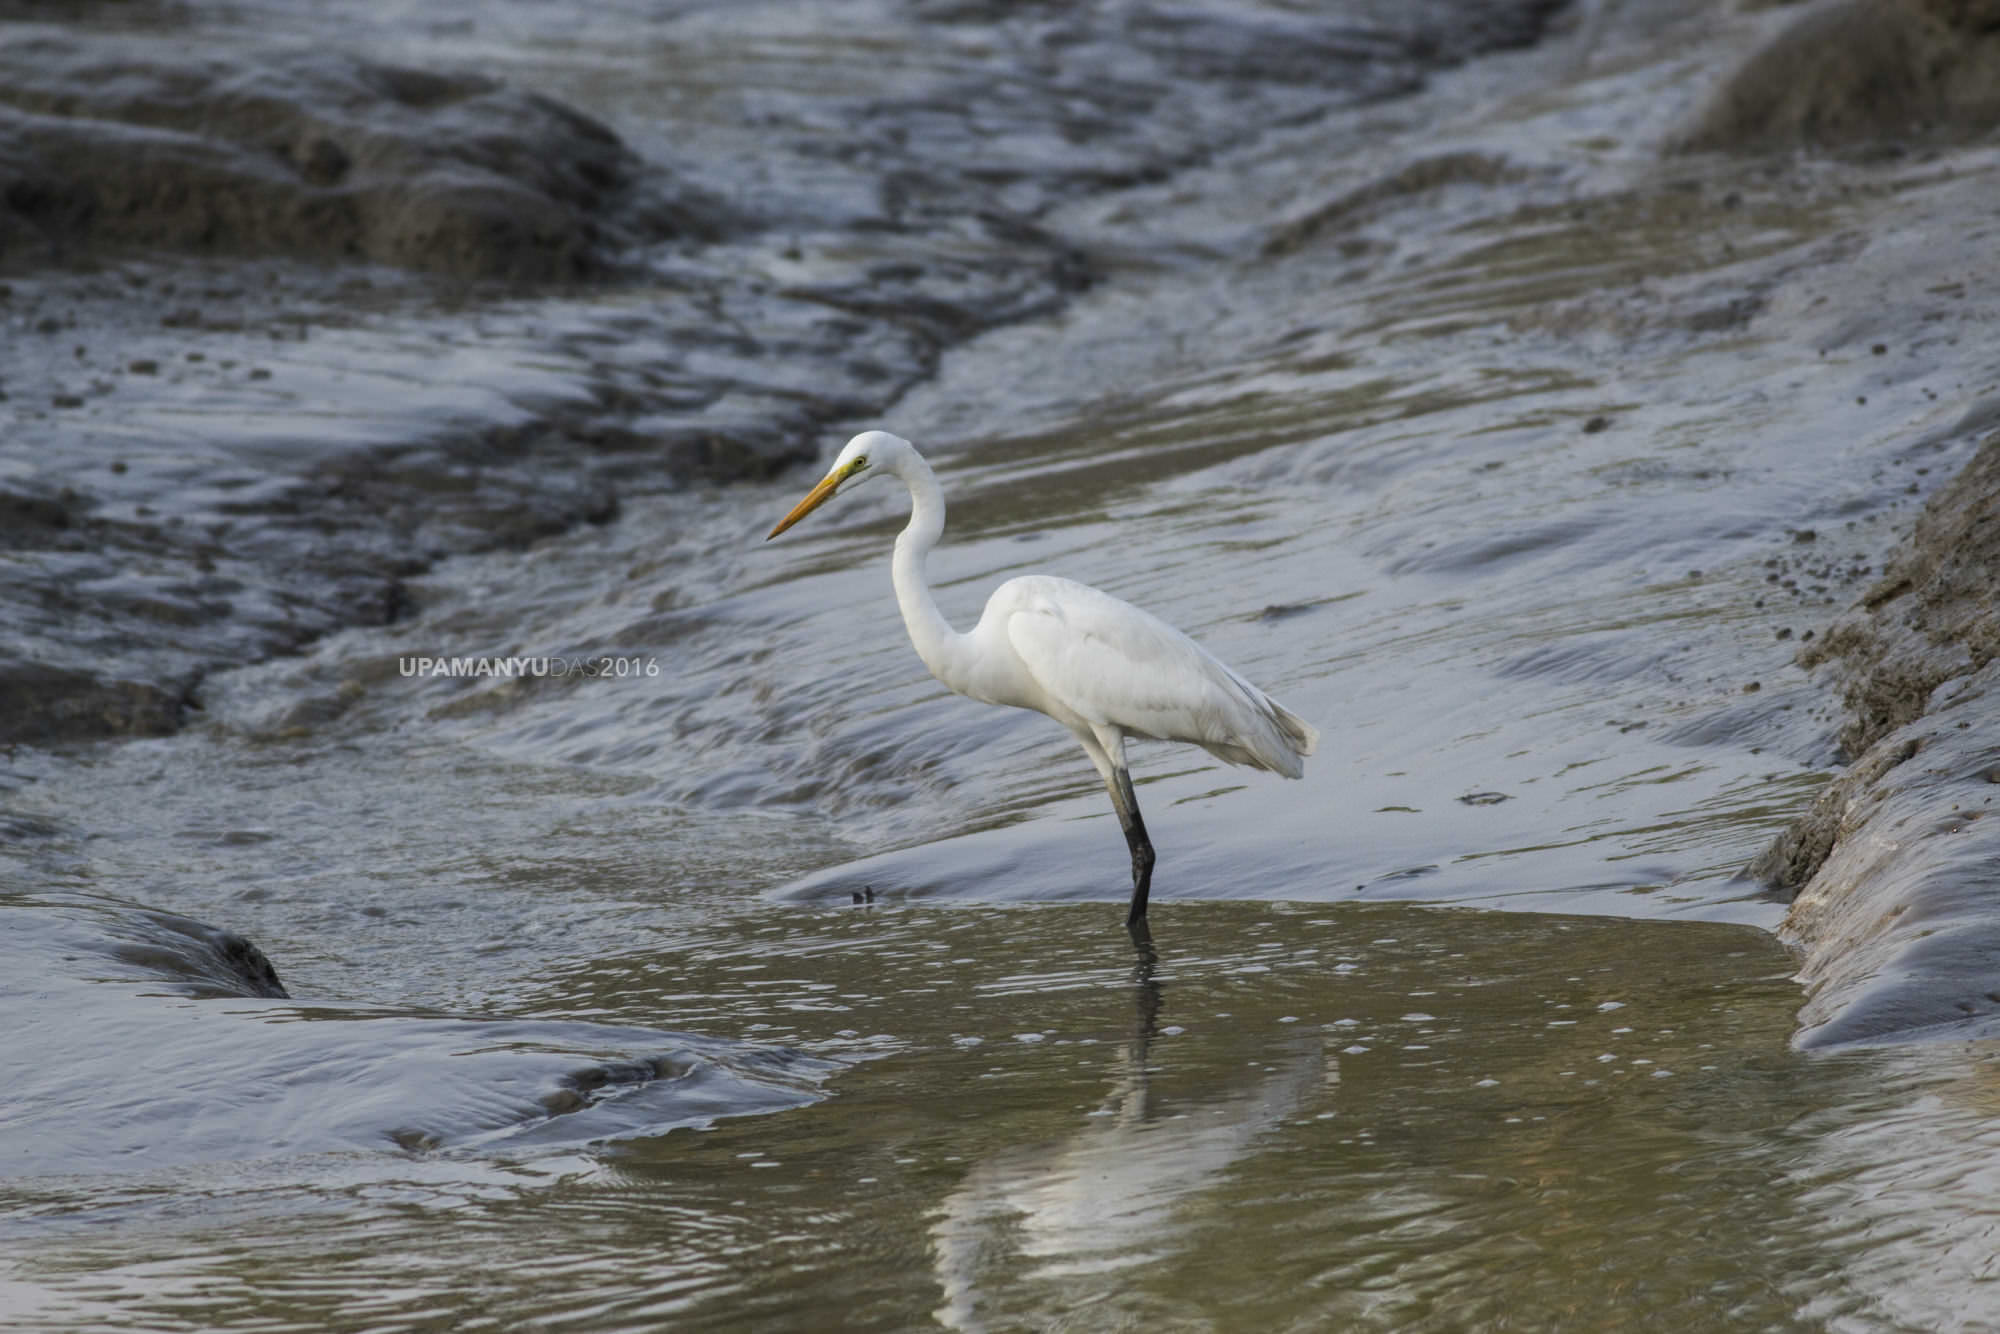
(1889, 869)
(133, 141)
(1862, 75)
(751, 317)
(1892, 866)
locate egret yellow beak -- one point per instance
(816, 497)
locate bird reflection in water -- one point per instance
(1113, 1194)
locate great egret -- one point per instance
(1099, 666)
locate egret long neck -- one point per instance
(936, 642)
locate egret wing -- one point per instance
(1114, 665)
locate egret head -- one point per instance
(868, 454)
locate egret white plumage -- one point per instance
(1099, 666)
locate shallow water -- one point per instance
(584, 1029)
(1373, 1116)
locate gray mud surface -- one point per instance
(1894, 866)
(144, 557)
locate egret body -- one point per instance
(1099, 666)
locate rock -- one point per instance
(114, 140)
(1859, 70)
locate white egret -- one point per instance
(1100, 667)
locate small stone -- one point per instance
(144, 366)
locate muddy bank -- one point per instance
(1894, 865)
(1891, 868)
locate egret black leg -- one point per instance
(1127, 804)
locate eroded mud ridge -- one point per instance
(1894, 865)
